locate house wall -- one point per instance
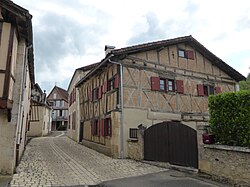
(144, 106)
(106, 106)
(13, 133)
(7, 140)
(41, 124)
(73, 130)
(46, 121)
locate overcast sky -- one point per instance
(69, 34)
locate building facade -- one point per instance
(16, 82)
(40, 114)
(148, 84)
(75, 125)
(58, 100)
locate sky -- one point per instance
(69, 34)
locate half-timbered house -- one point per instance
(75, 125)
(40, 113)
(16, 81)
(162, 86)
(58, 99)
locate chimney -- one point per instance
(108, 49)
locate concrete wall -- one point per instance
(227, 162)
(7, 144)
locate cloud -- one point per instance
(57, 37)
(150, 30)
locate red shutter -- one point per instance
(98, 127)
(92, 127)
(100, 92)
(190, 55)
(105, 86)
(116, 81)
(155, 83)
(179, 86)
(102, 127)
(217, 90)
(200, 90)
(90, 96)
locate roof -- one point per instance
(63, 93)
(84, 69)
(20, 17)
(123, 52)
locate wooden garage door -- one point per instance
(171, 142)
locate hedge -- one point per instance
(230, 118)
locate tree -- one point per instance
(245, 85)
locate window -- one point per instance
(162, 84)
(60, 112)
(74, 120)
(95, 128)
(110, 84)
(205, 90)
(186, 54)
(133, 133)
(181, 53)
(171, 85)
(69, 123)
(95, 94)
(107, 127)
(58, 103)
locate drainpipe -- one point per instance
(23, 81)
(122, 112)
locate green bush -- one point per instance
(230, 118)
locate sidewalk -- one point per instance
(4, 180)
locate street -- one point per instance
(59, 161)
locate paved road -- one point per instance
(168, 178)
(59, 161)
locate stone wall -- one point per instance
(227, 162)
(136, 147)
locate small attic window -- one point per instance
(181, 53)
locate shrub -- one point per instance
(230, 118)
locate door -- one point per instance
(81, 132)
(171, 142)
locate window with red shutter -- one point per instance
(155, 83)
(179, 86)
(200, 90)
(217, 90)
(116, 81)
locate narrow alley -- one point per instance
(59, 161)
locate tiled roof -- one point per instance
(122, 52)
(64, 94)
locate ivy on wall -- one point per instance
(230, 118)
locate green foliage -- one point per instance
(245, 85)
(230, 118)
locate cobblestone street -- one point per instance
(59, 161)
